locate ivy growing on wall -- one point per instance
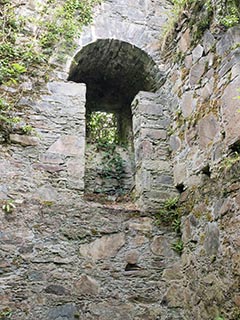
(200, 15)
(27, 41)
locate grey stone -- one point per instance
(103, 248)
(68, 145)
(188, 103)
(208, 130)
(63, 312)
(56, 290)
(208, 41)
(228, 40)
(230, 114)
(180, 173)
(197, 53)
(175, 143)
(197, 72)
(188, 61)
(212, 241)
(68, 89)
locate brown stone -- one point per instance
(24, 140)
(161, 246)
(87, 286)
(132, 257)
(187, 104)
(144, 224)
(48, 167)
(68, 146)
(176, 295)
(208, 130)
(103, 248)
(230, 111)
(185, 41)
(237, 300)
(173, 273)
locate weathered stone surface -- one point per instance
(68, 89)
(107, 311)
(24, 140)
(208, 41)
(41, 237)
(208, 130)
(185, 41)
(68, 146)
(132, 257)
(188, 103)
(197, 72)
(176, 296)
(180, 173)
(230, 107)
(56, 289)
(173, 273)
(197, 53)
(87, 286)
(161, 246)
(212, 241)
(175, 143)
(103, 248)
(66, 311)
(141, 224)
(228, 40)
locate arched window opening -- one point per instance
(114, 72)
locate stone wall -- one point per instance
(65, 258)
(204, 141)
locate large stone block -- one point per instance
(197, 71)
(68, 145)
(103, 248)
(208, 130)
(230, 111)
(188, 103)
(68, 89)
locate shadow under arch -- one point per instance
(114, 72)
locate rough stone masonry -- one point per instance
(64, 258)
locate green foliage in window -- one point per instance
(102, 129)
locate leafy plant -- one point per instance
(5, 313)
(57, 23)
(178, 246)
(102, 129)
(27, 129)
(168, 214)
(8, 206)
(228, 162)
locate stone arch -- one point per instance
(114, 72)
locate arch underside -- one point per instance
(114, 72)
